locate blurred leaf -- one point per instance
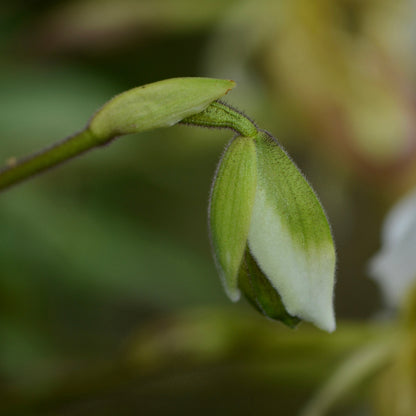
(226, 361)
(103, 253)
(104, 24)
(45, 105)
(362, 365)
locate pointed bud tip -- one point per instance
(233, 293)
(325, 321)
(329, 326)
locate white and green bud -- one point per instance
(270, 236)
(290, 237)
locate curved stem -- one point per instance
(221, 115)
(66, 149)
(217, 115)
(160, 104)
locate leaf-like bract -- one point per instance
(160, 104)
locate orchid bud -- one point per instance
(270, 235)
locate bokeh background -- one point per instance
(109, 299)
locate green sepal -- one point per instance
(290, 237)
(230, 209)
(160, 104)
(260, 293)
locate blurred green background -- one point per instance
(110, 251)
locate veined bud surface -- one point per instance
(270, 235)
(160, 104)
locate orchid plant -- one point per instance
(270, 235)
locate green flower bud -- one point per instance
(270, 235)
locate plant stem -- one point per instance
(217, 114)
(223, 116)
(47, 158)
(160, 104)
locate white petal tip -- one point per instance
(321, 317)
(330, 328)
(325, 322)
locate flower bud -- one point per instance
(270, 235)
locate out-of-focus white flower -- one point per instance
(394, 266)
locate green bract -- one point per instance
(160, 104)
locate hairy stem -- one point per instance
(221, 115)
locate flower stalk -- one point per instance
(156, 105)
